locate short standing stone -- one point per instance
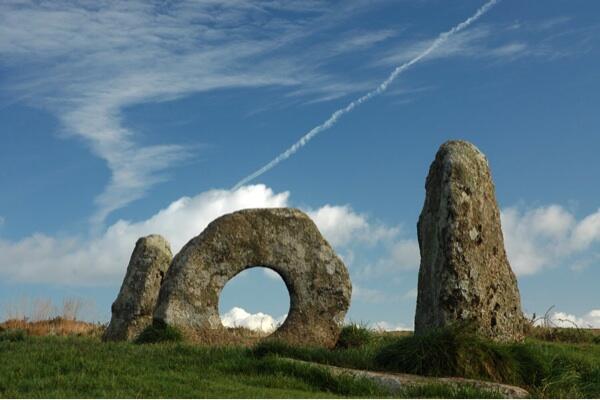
(464, 274)
(283, 239)
(133, 308)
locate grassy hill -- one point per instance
(83, 366)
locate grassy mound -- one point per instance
(546, 369)
(354, 335)
(74, 366)
(159, 332)
(456, 351)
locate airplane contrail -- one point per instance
(443, 37)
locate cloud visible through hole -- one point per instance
(237, 317)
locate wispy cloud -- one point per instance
(439, 42)
(543, 39)
(86, 63)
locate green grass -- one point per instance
(354, 335)
(12, 335)
(83, 367)
(546, 369)
(86, 367)
(159, 332)
(451, 352)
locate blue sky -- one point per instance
(119, 120)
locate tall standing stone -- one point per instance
(133, 308)
(464, 273)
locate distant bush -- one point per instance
(354, 335)
(159, 332)
(12, 335)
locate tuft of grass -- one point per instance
(546, 369)
(12, 335)
(354, 335)
(159, 332)
(454, 351)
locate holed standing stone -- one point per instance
(285, 240)
(464, 275)
(133, 308)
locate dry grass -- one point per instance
(549, 329)
(40, 317)
(57, 326)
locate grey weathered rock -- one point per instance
(464, 273)
(283, 239)
(133, 308)
(396, 383)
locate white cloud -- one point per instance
(565, 320)
(359, 40)
(369, 295)
(535, 239)
(239, 318)
(547, 236)
(509, 50)
(340, 225)
(401, 255)
(372, 295)
(103, 259)
(389, 326)
(405, 254)
(498, 42)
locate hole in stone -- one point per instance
(256, 299)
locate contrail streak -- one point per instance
(443, 37)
